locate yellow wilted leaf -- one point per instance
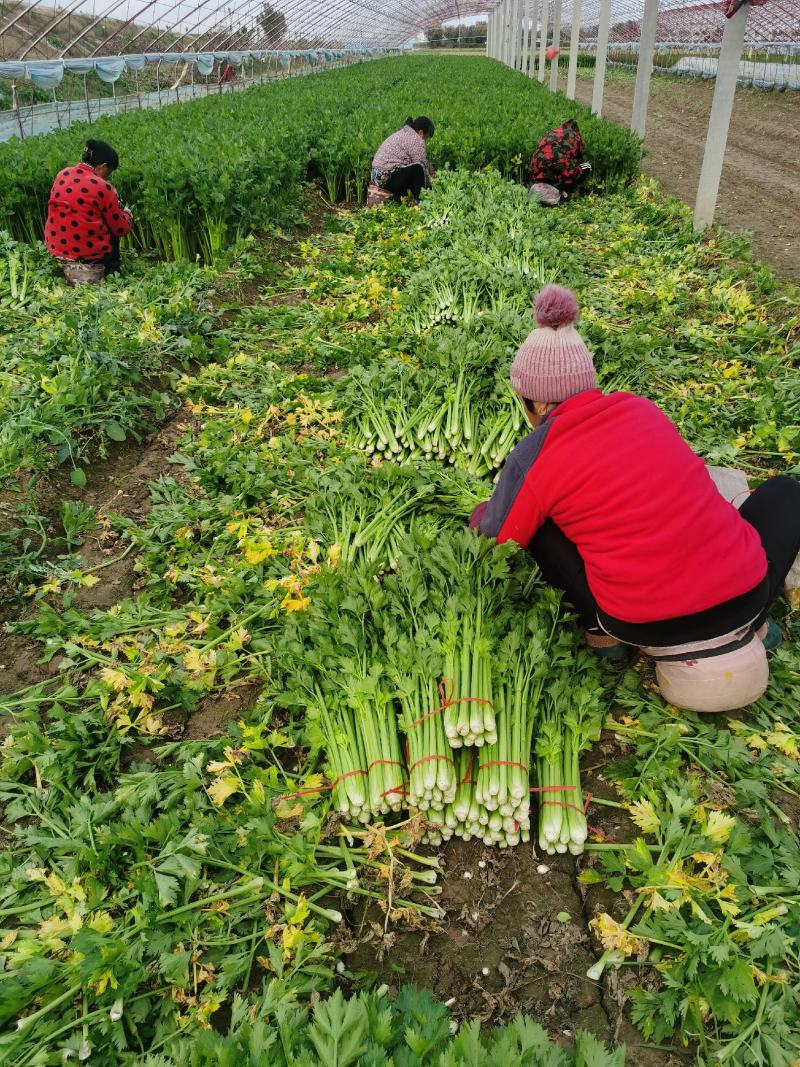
(301, 912)
(613, 935)
(290, 603)
(784, 741)
(718, 827)
(290, 939)
(644, 815)
(729, 907)
(101, 922)
(56, 886)
(659, 903)
(106, 978)
(756, 742)
(197, 661)
(283, 810)
(141, 700)
(221, 789)
(88, 580)
(257, 551)
(116, 680)
(762, 978)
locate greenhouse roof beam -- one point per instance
(23, 11)
(221, 37)
(52, 25)
(107, 13)
(310, 19)
(256, 4)
(187, 33)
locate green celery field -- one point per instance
(197, 176)
(277, 728)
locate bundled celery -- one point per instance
(347, 695)
(463, 582)
(570, 723)
(467, 416)
(431, 771)
(448, 651)
(369, 511)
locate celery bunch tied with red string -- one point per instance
(571, 720)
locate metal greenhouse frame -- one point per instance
(40, 44)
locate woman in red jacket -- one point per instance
(85, 220)
(558, 160)
(622, 515)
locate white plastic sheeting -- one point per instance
(49, 73)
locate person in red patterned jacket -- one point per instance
(558, 159)
(85, 219)
(620, 513)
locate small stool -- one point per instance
(83, 273)
(377, 197)
(546, 194)
(722, 674)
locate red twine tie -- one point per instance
(503, 763)
(448, 702)
(574, 807)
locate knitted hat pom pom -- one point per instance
(556, 306)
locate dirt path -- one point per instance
(760, 189)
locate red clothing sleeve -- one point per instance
(515, 512)
(118, 220)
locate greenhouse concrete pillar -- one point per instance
(534, 37)
(574, 45)
(601, 57)
(506, 30)
(644, 71)
(720, 118)
(514, 34)
(526, 36)
(520, 11)
(518, 34)
(490, 36)
(524, 23)
(556, 44)
(543, 44)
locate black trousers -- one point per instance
(773, 510)
(412, 179)
(556, 179)
(112, 260)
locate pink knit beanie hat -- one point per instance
(553, 363)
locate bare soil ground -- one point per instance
(515, 937)
(760, 189)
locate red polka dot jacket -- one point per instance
(83, 212)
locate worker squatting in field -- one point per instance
(621, 514)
